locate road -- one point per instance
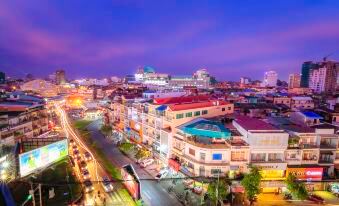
(95, 169)
(152, 192)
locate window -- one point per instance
(229, 108)
(204, 112)
(215, 171)
(190, 165)
(202, 156)
(223, 109)
(180, 116)
(217, 156)
(189, 114)
(197, 113)
(191, 151)
(238, 156)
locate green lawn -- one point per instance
(50, 177)
(81, 124)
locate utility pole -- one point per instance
(40, 196)
(217, 190)
(33, 198)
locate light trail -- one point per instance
(68, 129)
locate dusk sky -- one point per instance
(105, 38)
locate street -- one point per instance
(96, 171)
(152, 192)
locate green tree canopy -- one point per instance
(251, 183)
(223, 190)
(297, 189)
(142, 153)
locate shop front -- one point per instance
(273, 176)
(312, 175)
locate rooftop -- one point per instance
(311, 115)
(205, 128)
(249, 123)
(180, 100)
(195, 105)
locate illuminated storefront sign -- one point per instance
(306, 173)
(272, 174)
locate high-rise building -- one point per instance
(60, 77)
(323, 79)
(245, 80)
(2, 78)
(294, 81)
(306, 70)
(270, 79)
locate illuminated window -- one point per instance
(189, 114)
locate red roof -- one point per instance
(195, 105)
(249, 123)
(180, 100)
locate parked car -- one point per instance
(74, 147)
(197, 190)
(88, 156)
(161, 174)
(71, 142)
(88, 186)
(139, 160)
(72, 161)
(83, 165)
(106, 184)
(85, 174)
(76, 153)
(316, 199)
(188, 182)
(146, 162)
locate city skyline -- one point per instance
(221, 37)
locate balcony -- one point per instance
(326, 160)
(309, 146)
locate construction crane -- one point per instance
(325, 58)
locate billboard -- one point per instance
(42, 157)
(314, 173)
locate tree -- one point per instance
(142, 153)
(251, 183)
(218, 190)
(106, 130)
(297, 189)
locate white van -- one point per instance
(146, 162)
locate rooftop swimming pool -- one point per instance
(207, 129)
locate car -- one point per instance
(106, 184)
(76, 153)
(72, 161)
(197, 190)
(161, 174)
(88, 186)
(74, 147)
(71, 142)
(83, 165)
(85, 174)
(88, 156)
(316, 199)
(188, 182)
(146, 162)
(78, 158)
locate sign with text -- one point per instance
(315, 173)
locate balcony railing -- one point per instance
(328, 146)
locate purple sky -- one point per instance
(105, 38)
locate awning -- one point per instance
(161, 108)
(174, 165)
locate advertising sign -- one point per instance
(306, 173)
(42, 157)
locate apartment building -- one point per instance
(154, 124)
(302, 102)
(267, 146)
(21, 119)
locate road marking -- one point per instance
(147, 195)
